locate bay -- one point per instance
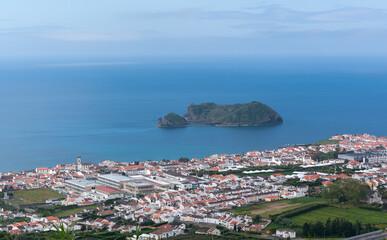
(52, 110)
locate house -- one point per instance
(166, 231)
(272, 198)
(133, 169)
(354, 165)
(201, 231)
(311, 178)
(51, 219)
(105, 213)
(326, 183)
(285, 233)
(303, 189)
(185, 185)
(277, 176)
(41, 170)
(358, 176)
(108, 193)
(211, 231)
(373, 197)
(214, 231)
(343, 176)
(128, 229)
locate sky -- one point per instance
(193, 27)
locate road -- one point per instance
(377, 235)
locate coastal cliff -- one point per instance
(172, 120)
(249, 114)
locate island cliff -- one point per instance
(249, 114)
(172, 120)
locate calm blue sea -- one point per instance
(52, 110)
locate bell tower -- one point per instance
(79, 163)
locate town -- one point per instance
(223, 195)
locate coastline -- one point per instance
(331, 147)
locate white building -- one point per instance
(113, 180)
(81, 185)
(41, 170)
(285, 233)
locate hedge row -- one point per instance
(373, 208)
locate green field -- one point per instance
(32, 196)
(73, 211)
(352, 214)
(267, 209)
(326, 141)
(14, 220)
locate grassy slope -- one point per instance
(73, 211)
(351, 213)
(176, 119)
(326, 141)
(254, 113)
(277, 207)
(36, 195)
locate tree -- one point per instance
(257, 219)
(5, 235)
(183, 160)
(355, 191)
(346, 190)
(331, 192)
(338, 227)
(148, 222)
(306, 229)
(328, 227)
(46, 213)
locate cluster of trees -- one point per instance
(346, 190)
(183, 160)
(335, 228)
(148, 223)
(50, 211)
(297, 182)
(257, 219)
(320, 156)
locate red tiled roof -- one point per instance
(107, 189)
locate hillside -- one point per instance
(249, 114)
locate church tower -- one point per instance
(79, 163)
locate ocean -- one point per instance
(53, 110)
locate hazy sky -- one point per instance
(197, 27)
